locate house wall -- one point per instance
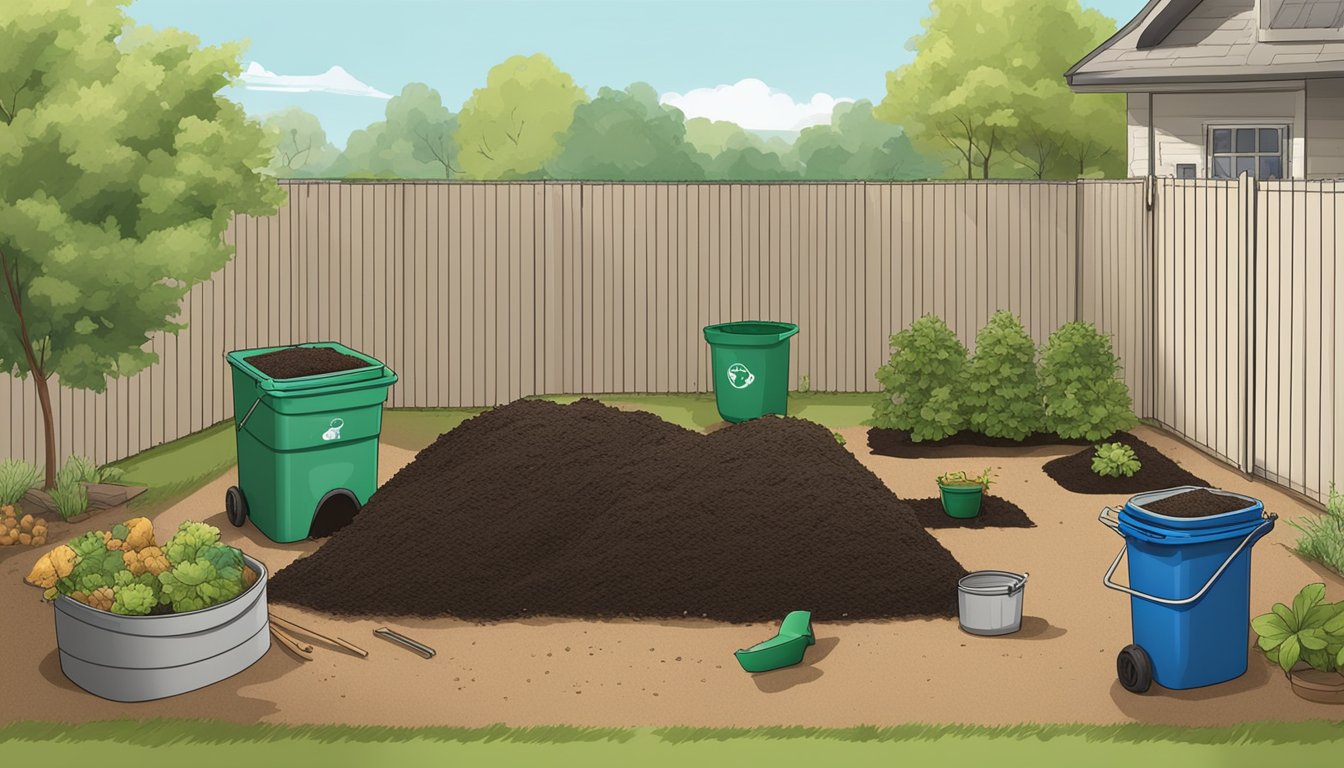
(1325, 129)
(1181, 122)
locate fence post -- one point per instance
(1249, 193)
(1078, 249)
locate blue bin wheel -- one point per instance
(235, 506)
(1134, 669)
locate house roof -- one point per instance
(1173, 42)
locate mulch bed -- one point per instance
(297, 362)
(1196, 504)
(897, 442)
(1074, 473)
(536, 509)
(995, 512)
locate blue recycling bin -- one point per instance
(1190, 591)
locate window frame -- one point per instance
(1285, 152)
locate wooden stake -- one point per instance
(349, 646)
(292, 644)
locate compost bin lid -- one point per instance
(373, 371)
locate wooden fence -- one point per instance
(480, 293)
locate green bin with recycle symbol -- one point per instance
(751, 368)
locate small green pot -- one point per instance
(961, 501)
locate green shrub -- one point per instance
(1002, 392)
(80, 470)
(922, 382)
(16, 477)
(1115, 460)
(71, 499)
(1322, 537)
(1312, 630)
(1083, 395)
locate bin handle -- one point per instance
(1269, 520)
(248, 415)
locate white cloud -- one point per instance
(752, 104)
(335, 80)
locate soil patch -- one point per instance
(1196, 504)
(1074, 473)
(897, 442)
(583, 510)
(995, 512)
(296, 362)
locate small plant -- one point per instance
(1115, 460)
(1322, 538)
(961, 479)
(80, 470)
(70, 497)
(1002, 392)
(16, 477)
(1311, 631)
(1083, 395)
(839, 438)
(804, 384)
(922, 382)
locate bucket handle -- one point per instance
(1269, 520)
(243, 421)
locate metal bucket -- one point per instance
(990, 602)
(138, 658)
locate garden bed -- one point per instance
(897, 443)
(1074, 472)
(583, 510)
(995, 512)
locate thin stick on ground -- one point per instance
(302, 650)
(346, 644)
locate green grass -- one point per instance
(175, 470)
(168, 742)
(1322, 538)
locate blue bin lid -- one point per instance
(1135, 518)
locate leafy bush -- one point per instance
(81, 470)
(963, 479)
(16, 477)
(1002, 392)
(922, 384)
(1322, 537)
(204, 571)
(1311, 631)
(1115, 460)
(1083, 396)
(70, 497)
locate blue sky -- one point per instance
(813, 51)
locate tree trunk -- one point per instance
(970, 167)
(48, 430)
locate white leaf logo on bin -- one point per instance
(334, 433)
(739, 376)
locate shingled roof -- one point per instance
(1213, 41)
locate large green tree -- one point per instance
(413, 141)
(626, 135)
(987, 86)
(512, 127)
(301, 145)
(120, 168)
(856, 145)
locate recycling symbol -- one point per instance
(739, 376)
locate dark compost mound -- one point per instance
(304, 361)
(1074, 473)
(1196, 504)
(995, 512)
(583, 510)
(897, 442)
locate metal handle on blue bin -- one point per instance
(247, 415)
(1269, 520)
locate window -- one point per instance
(1185, 170)
(1260, 150)
(1300, 20)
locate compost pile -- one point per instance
(586, 511)
(1074, 472)
(296, 362)
(1199, 503)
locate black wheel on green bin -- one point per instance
(1134, 669)
(235, 506)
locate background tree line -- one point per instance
(984, 97)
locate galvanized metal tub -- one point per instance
(138, 658)
(990, 602)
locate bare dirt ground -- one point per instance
(1059, 668)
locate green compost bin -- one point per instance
(304, 443)
(751, 368)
